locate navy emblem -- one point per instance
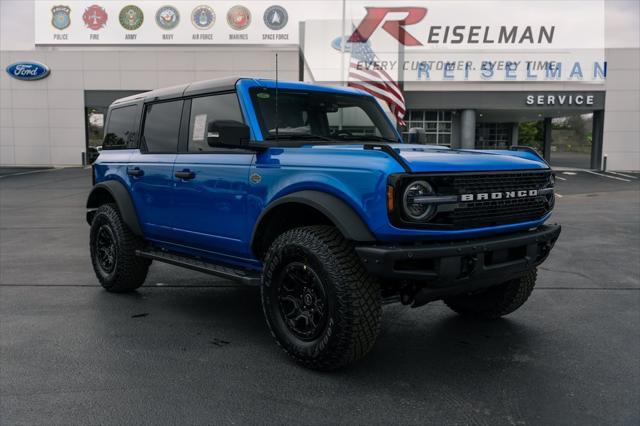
(60, 18)
(203, 17)
(167, 17)
(239, 17)
(276, 17)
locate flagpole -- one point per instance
(343, 42)
(400, 66)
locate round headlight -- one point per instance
(413, 207)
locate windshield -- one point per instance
(308, 115)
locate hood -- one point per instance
(437, 159)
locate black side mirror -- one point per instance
(417, 135)
(227, 133)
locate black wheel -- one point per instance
(497, 301)
(321, 305)
(113, 252)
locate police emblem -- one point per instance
(276, 17)
(239, 17)
(131, 17)
(95, 17)
(60, 18)
(203, 17)
(167, 17)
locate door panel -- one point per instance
(150, 170)
(152, 192)
(211, 207)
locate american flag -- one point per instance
(366, 74)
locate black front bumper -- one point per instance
(449, 268)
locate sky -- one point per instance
(622, 23)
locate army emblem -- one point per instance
(276, 17)
(95, 17)
(131, 17)
(60, 18)
(239, 17)
(167, 17)
(203, 17)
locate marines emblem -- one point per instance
(60, 18)
(131, 17)
(239, 17)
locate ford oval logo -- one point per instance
(28, 70)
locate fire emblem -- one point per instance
(95, 17)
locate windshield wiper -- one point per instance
(299, 136)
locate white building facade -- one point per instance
(55, 121)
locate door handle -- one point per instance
(135, 172)
(185, 174)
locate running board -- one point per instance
(243, 276)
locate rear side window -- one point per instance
(120, 128)
(210, 108)
(162, 127)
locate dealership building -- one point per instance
(58, 120)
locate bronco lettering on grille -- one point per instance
(486, 196)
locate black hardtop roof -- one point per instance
(207, 86)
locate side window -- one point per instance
(162, 127)
(120, 127)
(210, 108)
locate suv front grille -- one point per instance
(475, 214)
(489, 182)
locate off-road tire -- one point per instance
(129, 271)
(497, 301)
(353, 298)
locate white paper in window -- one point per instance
(199, 127)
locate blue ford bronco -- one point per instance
(310, 193)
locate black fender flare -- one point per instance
(123, 200)
(348, 222)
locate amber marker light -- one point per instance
(390, 198)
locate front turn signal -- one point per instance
(390, 198)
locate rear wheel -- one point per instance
(321, 306)
(497, 301)
(113, 252)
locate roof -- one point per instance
(221, 85)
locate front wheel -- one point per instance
(113, 252)
(497, 301)
(321, 306)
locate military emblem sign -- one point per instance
(95, 17)
(239, 17)
(167, 17)
(203, 17)
(61, 18)
(131, 17)
(276, 17)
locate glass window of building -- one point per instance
(436, 124)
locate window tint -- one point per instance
(162, 127)
(210, 108)
(120, 128)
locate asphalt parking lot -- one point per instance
(190, 349)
